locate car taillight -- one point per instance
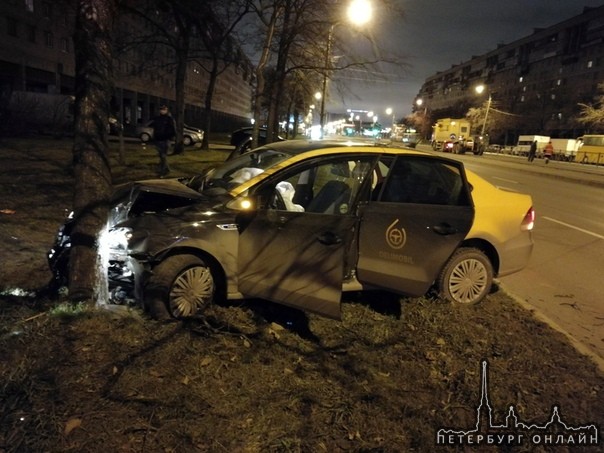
(529, 220)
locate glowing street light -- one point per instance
(359, 13)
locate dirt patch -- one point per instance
(254, 377)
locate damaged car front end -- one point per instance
(122, 249)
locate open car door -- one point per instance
(296, 259)
(292, 250)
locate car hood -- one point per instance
(152, 196)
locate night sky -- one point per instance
(436, 34)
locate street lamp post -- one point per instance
(324, 84)
(390, 112)
(480, 89)
(424, 118)
(359, 12)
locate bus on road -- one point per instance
(591, 149)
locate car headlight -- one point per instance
(113, 243)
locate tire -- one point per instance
(145, 137)
(181, 286)
(187, 141)
(466, 278)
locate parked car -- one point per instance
(298, 222)
(191, 135)
(241, 139)
(114, 126)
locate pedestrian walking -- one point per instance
(532, 151)
(548, 152)
(163, 131)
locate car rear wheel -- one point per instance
(181, 286)
(467, 277)
(188, 141)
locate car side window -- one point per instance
(425, 181)
(325, 187)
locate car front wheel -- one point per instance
(188, 141)
(467, 277)
(181, 286)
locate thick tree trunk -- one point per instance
(92, 189)
(182, 54)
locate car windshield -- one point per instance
(236, 171)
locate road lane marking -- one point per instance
(599, 236)
(506, 180)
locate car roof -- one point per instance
(300, 150)
(295, 147)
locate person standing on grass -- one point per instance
(163, 131)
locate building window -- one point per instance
(65, 45)
(48, 39)
(11, 26)
(29, 5)
(520, 79)
(31, 34)
(47, 11)
(590, 64)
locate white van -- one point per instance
(524, 144)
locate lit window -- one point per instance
(559, 82)
(29, 5)
(590, 64)
(521, 98)
(521, 79)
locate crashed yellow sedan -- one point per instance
(298, 222)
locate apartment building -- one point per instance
(539, 79)
(37, 68)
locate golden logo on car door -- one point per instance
(396, 237)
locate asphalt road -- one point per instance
(564, 281)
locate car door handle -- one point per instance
(444, 229)
(329, 238)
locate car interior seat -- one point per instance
(329, 199)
